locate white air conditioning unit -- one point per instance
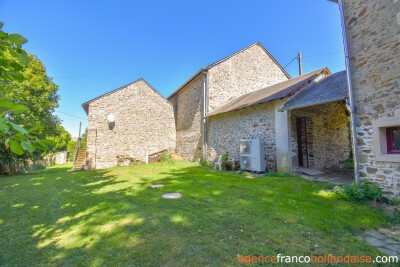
(252, 155)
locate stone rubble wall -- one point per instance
(144, 122)
(188, 110)
(328, 135)
(227, 129)
(373, 32)
(246, 72)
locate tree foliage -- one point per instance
(28, 98)
(61, 139)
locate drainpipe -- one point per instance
(205, 113)
(351, 96)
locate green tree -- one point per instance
(71, 149)
(11, 44)
(27, 100)
(61, 139)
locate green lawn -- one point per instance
(111, 217)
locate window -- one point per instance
(393, 140)
(386, 139)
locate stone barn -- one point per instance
(211, 87)
(128, 124)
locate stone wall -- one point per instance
(248, 71)
(227, 129)
(188, 110)
(373, 30)
(328, 140)
(144, 122)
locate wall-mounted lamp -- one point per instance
(111, 121)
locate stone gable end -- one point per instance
(250, 70)
(144, 123)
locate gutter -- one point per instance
(351, 95)
(312, 104)
(205, 113)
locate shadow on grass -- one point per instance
(106, 217)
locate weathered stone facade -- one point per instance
(248, 70)
(373, 33)
(188, 110)
(323, 131)
(227, 129)
(144, 123)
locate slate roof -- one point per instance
(226, 58)
(330, 89)
(276, 91)
(85, 105)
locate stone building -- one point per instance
(373, 30)
(303, 121)
(247, 70)
(243, 96)
(128, 124)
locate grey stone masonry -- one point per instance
(373, 33)
(144, 124)
(328, 135)
(248, 70)
(188, 110)
(227, 129)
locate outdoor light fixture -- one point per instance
(111, 121)
(111, 118)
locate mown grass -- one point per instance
(111, 217)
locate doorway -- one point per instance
(302, 142)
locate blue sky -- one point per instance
(92, 47)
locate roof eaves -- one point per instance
(226, 58)
(155, 90)
(187, 82)
(314, 104)
(274, 59)
(231, 55)
(85, 105)
(306, 82)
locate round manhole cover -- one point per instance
(157, 185)
(172, 195)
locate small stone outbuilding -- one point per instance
(303, 121)
(320, 124)
(128, 124)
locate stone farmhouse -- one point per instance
(305, 122)
(371, 35)
(242, 96)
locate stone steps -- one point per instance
(80, 162)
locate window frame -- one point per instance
(389, 140)
(379, 139)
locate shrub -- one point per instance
(366, 191)
(394, 202)
(205, 163)
(349, 163)
(225, 156)
(166, 158)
